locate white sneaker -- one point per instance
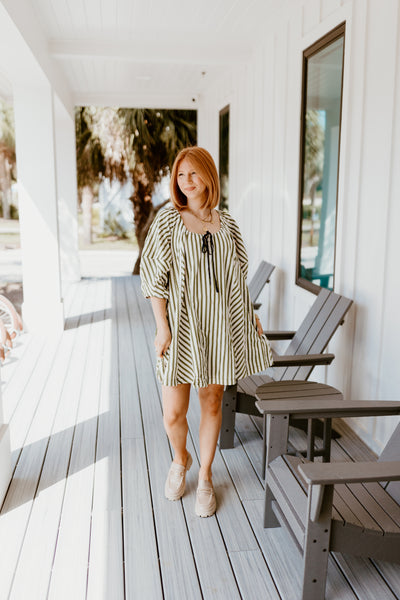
(176, 479)
(206, 504)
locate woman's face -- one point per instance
(189, 182)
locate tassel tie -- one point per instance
(208, 248)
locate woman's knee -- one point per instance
(174, 418)
(175, 404)
(211, 400)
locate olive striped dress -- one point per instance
(212, 322)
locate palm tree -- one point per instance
(314, 158)
(90, 164)
(7, 155)
(155, 137)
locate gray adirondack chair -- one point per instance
(304, 352)
(258, 281)
(336, 506)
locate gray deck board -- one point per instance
(106, 553)
(18, 503)
(36, 557)
(210, 537)
(215, 573)
(69, 569)
(142, 573)
(85, 515)
(179, 575)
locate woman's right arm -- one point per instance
(155, 266)
(163, 333)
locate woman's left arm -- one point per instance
(240, 247)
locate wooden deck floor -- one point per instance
(85, 515)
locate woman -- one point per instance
(194, 269)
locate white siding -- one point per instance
(265, 99)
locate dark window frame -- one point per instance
(226, 109)
(323, 42)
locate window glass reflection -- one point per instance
(321, 129)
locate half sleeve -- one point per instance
(156, 259)
(240, 247)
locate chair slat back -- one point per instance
(259, 279)
(278, 372)
(312, 337)
(340, 305)
(392, 452)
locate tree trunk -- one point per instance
(6, 203)
(144, 213)
(87, 203)
(141, 238)
(5, 186)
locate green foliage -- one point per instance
(314, 147)
(14, 214)
(155, 138)
(7, 131)
(131, 143)
(112, 227)
(89, 151)
(7, 141)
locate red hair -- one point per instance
(205, 167)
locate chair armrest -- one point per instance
(322, 406)
(280, 335)
(299, 360)
(350, 472)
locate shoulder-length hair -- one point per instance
(205, 168)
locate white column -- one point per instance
(37, 189)
(5, 455)
(66, 193)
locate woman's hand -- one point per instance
(162, 340)
(259, 326)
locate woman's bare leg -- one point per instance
(210, 424)
(175, 406)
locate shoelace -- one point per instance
(208, 248)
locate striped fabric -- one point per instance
(214, 335)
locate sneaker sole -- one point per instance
(206, 513)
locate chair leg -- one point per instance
(264, 454)
(270, 519)
(311, 439)
(316, 545)
(226, 436)
(276, 431)
(326, 440)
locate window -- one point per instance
(319, 160)
(224, 157)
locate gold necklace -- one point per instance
(204, 222)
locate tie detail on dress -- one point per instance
(208, 248)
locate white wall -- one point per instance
(38, 210)
(67, 194)
(265, 99)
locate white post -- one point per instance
(37, 188)
(5, 455)
(67, 194)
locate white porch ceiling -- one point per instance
(149, 52)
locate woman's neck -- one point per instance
(195, 206)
